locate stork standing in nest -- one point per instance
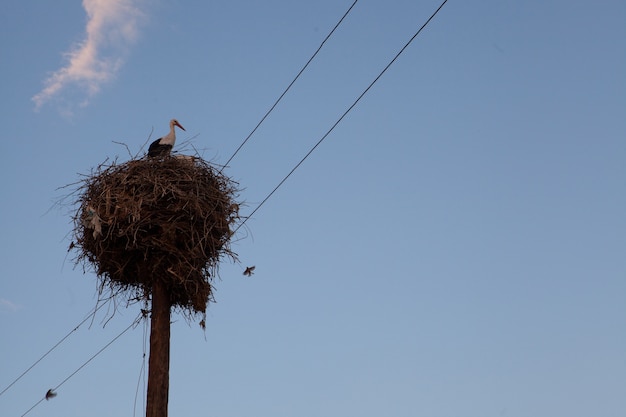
(163, 146)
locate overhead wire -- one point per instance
(139, 317)
(142, 371)
(52, 348)
(291, 83)
(406, 45)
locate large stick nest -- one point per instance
(168, 219)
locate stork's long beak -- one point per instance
(179, 125)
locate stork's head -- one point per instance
(174, 122)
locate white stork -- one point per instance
(163, 146)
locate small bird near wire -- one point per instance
(50, 394)
(163, 146)
(249, 270)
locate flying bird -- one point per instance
(163, 146)
(50, 394)
(249, 271)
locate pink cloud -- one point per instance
(112, 25)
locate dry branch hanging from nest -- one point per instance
(168, 219)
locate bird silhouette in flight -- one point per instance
(50, 394)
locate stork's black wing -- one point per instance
(157, 149)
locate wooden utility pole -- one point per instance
(159, 362)
(157, 227)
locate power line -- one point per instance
(142, 371)
(86, 362)
(51, 349)
(290, 84)
(406, 45)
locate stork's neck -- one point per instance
(170, 138)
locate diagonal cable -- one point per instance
(290, 84)
(51, 349)
(86, 362)
(406, 45)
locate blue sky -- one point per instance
(455, 247)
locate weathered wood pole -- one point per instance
(159, 362)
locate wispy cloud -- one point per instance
(8, 305)
(112, 26)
